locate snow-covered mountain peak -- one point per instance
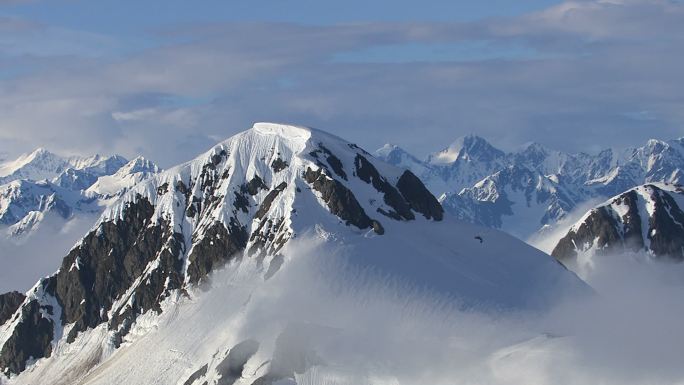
(38, 164)
(97, 163)
(388, 149)
(284, 130)
(138, 164)
(281, 160)
(533, 153)
(469, 148)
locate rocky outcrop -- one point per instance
(217, 246)
(332, 160)
(103, 267)
(369, 174)
(340, 200)
(419, 197)
(600, 230)
(230, 368)
(9, 303)
(31, 338)
(647, 218)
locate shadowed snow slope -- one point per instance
(140, 298)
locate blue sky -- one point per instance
(169, 81)
(122, 17)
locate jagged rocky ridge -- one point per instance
(648, 218)
(525, 191)
(169, 232)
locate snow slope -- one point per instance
(143, 298)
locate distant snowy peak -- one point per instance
(139, 164)
(399, 157)
(647, 218)
(467, 148)
(127, 176)
(43, 164)
(39, 164)
(97, 163)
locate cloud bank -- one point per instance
(369, 329)
(577, 76)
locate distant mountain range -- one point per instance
(42, 185)
(528, 191)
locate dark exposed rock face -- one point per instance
(340, 200)
(254, 185)
(218, 246)
(369, 174)
(418, 196)
(266, 204)
(668, 221)
(9, 303)
(331, 159)
(278, 165)
(230, 369)
(609, 232)
(600, 227)
(269, 236)
(201, 372)
(106, 263)
(31, 338)
(98, 272)
(411, 193)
